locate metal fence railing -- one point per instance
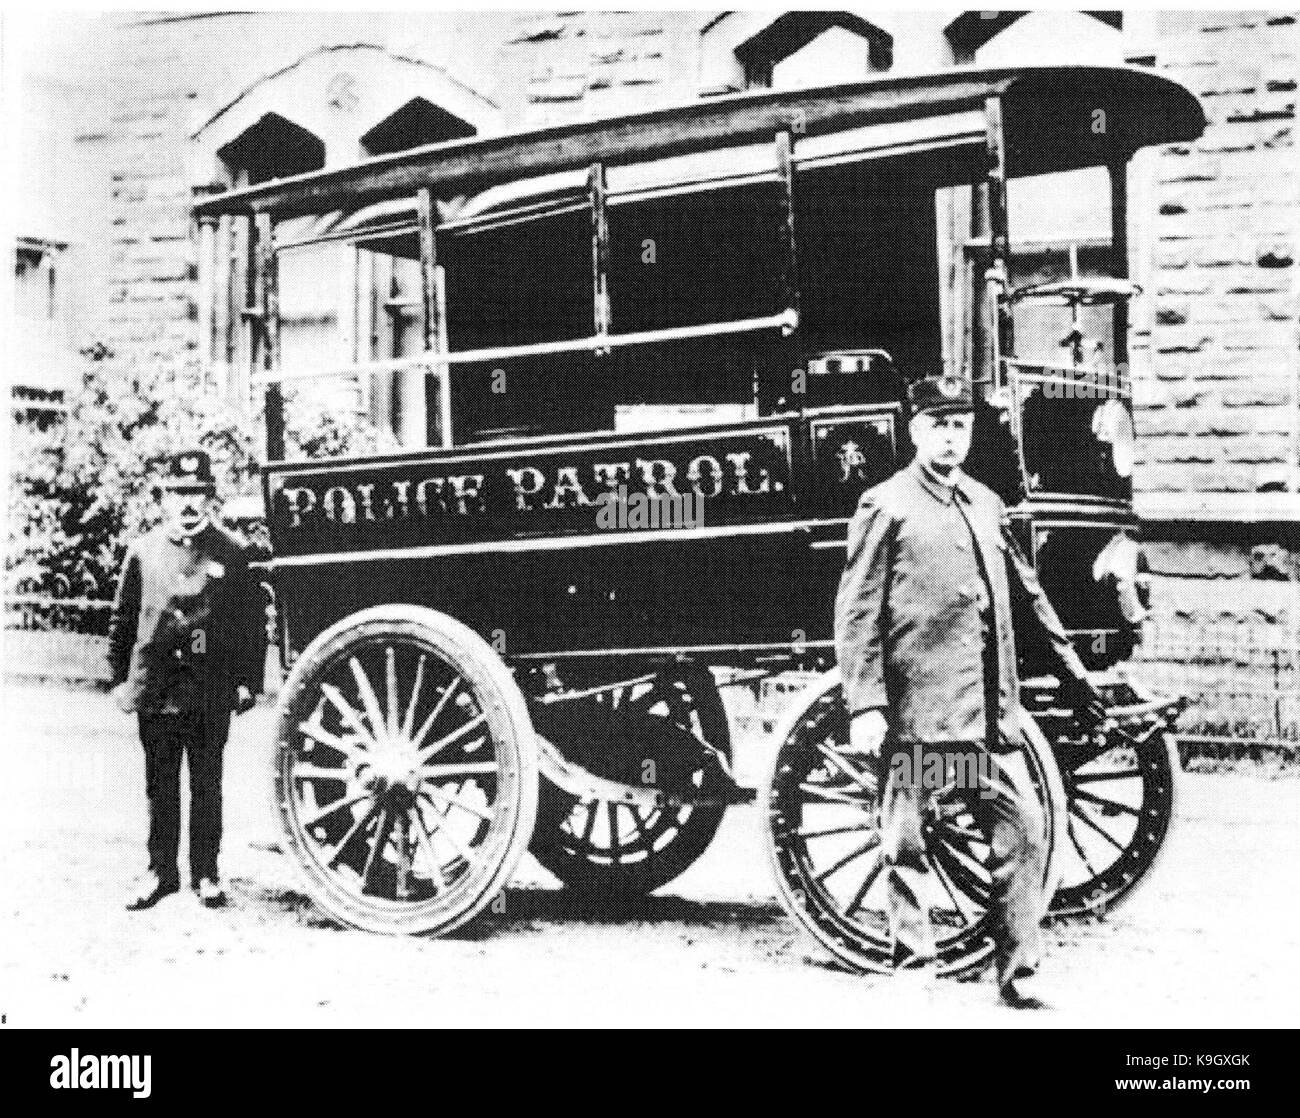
(56, 638)
(1243, 679)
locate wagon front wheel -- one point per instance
(406, 771)
(825, 842)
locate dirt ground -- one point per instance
(1210, 940)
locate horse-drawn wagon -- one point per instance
(657, 360)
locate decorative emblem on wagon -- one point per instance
(852, 462)
(189, 464)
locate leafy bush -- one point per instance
(83, 487)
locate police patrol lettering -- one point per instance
(531, 487)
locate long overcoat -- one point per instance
(911, 616)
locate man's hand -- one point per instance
(123, 697)
(867, 733)
(244, 699)
(1088, 703)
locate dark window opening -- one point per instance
(415, 124)
(869, 272)
(273, 148)
(711, 256)
(517, 284)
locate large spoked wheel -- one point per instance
(406, 771)
(823, 831)
(1120, 789)
(660, 727)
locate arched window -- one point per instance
(800, 49)
(757, 50)
(271, 149)
(348, 295)
(415, 124)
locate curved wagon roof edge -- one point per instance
(475, 163)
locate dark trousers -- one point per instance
(1010, 820)
(166, 738)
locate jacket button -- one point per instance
(964, 641)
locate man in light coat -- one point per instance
(924, 637)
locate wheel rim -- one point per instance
(1120, 796)
(824, 820)
(397, 784)
(623, 840)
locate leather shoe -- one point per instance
(149, 891)
(211, 895)
(1023, 991)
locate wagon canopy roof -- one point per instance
(1055, 118)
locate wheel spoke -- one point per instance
(826, 832)
(970, 883)
(409, 720)
(1078, 812)
(317, 772)
(390, 682)
(352, 833)
(862, 780)
(427, 724)
(641, 831)
(1092, 778)
(1113, 805)
(1078, 847)
(834, 795)
(970, 863)
(947, 887)
(337, 805)
(843, 861)
(590, 828)
(444, 828)
(877, 864)
(381, 840)
(611, 809)
(422, 835)
(369, 700)
(350, 716)
(318, 733)
(464, 768)
(452, 800)
(403, 859)
(438, 746)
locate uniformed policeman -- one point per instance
(923, 628)
(185, 649)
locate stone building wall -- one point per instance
(1217, 404)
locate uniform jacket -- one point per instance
(187, 625)
(908, 628)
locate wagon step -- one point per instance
(731, 794)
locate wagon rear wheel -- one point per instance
(1121, 803)
(604, 846)
(823, 832)
(405, 772)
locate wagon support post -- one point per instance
(788, 256)
(998, 337)
(1118, 171)
(433, 298)
(599, 255)
(263, 318)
